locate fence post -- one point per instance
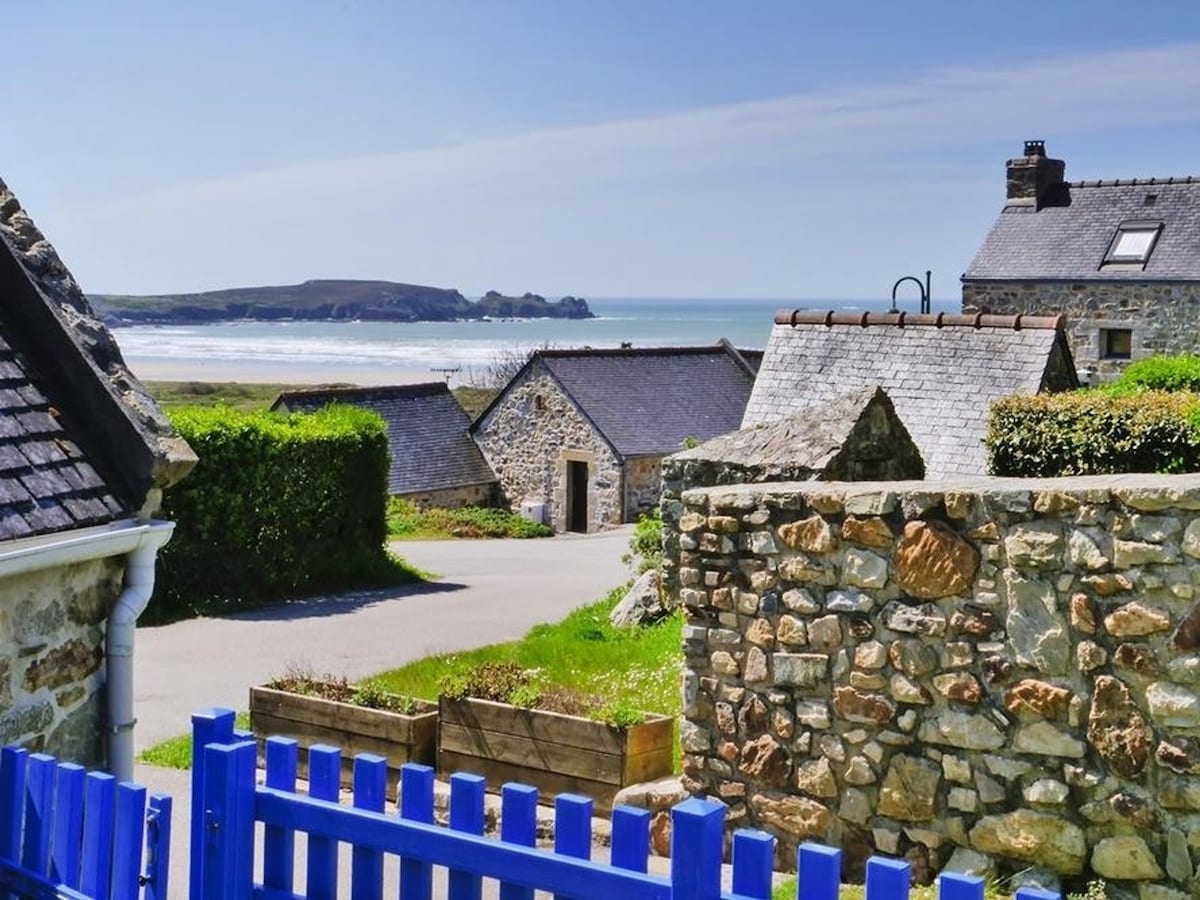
(39, 813)
(818, 872)
(1035, 894)
(129, 831)
(888, 879)
(630, 838)
(279, 842)
(370, 790)
(68, 825)
(209, 726)
(697, 839)
(466, 815)
(416, 805)
(228, 805)
(518, 825)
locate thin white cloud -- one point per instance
(1139, 88)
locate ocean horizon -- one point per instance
(377, 352)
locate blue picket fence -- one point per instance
(66, 832)
(228, 806)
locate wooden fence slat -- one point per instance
(631, 838)
(128, 830)
(158, 847)
(279, 843)
(1035, 894)
(955, 886)
(324, 783)
(572, 827)
(99, 792)
(818, 872)
(370, 789)
(13, 761)
(416, 805)
(518, 825)
(753, 863)
(697, 843)
(466, 814)
(68, 825)
(210, 726)
(222, 826)
(887, 879)
(39, 813)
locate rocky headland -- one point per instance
(330, 300)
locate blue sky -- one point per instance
(603, 148)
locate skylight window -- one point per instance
(1133, 242)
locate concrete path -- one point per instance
(487, 591)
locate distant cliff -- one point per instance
(330, 300)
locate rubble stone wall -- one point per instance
(1005, 668)
(1161, 316)
(456, 497)
(51, 658)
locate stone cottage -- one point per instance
(434, 462)
(940, 371)
(84, 456)
(1121, 259)
(577, 436)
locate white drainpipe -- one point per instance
(139, 543)
(122, 623)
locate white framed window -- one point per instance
(1133, 243)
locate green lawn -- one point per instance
(176, 752)
(406, 522)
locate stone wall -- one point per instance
(51, 658)
(1163, 317)
(643, 485)
(456, 497)
(1004, 672)
(529, 437)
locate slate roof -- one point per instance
(81, 442)
(645, 401)
(1069, 238)
(940, 371)
(428, 440)
(808, 443)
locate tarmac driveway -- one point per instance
(487, 591)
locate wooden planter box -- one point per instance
(551, 751)
(398, 737)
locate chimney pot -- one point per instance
(1035, 148)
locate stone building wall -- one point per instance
(52, 658)
(643, 485)
(1162, 317)
(1003, 670)
(456, 497)
(528, 439)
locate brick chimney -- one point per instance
(1033, 178)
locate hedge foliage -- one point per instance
(279, 505)
(1158, 373)
(1093, 433)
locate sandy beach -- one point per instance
(279, 373)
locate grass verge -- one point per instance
(407, 522)
(176, 752)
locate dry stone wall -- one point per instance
(1162, 317)
(51, 658)
(1004, 672)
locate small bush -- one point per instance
(1093, 433)
(302, 680)
(1158, 373)
(279, 505)
(645, 546)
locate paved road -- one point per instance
(488, 591)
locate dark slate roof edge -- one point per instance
(1098, 277)
(706, 349)
(391, 391)
(942, 321)
(1134, 182)
(124, 429)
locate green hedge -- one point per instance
(278, 505)
(1093, 433)
(1158, 373)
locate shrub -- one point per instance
(1158, 373)
(1093, 433)
(279, 505)
(645, 546)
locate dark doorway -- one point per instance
(577, 491)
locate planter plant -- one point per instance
(496, 721)
(360, 718)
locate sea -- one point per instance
(460, 351)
